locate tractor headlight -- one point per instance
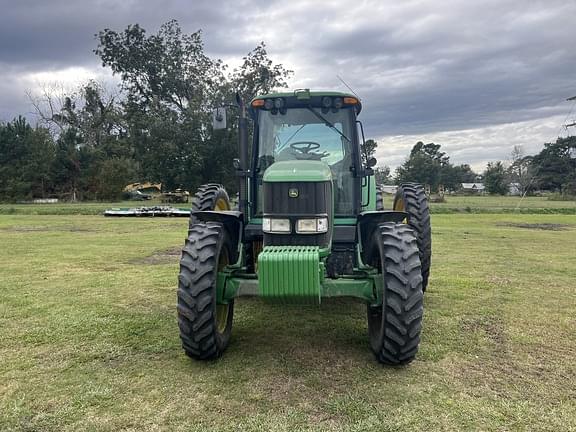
(312, 226)
(275, 226)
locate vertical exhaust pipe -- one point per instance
(244, 163)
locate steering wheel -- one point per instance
(305, 147)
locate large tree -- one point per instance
(157, 127)
(89, 131)
(496, 179)
(257, 75)
(424, 165)
(555, 166)
(428, 165)
(171, 87)
(168, 69)
(368, 150)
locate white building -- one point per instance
(473, 187)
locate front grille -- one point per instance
(313, 199)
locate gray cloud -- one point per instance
(476, 146)
(423, 68)
(12, 99)
(60, 33)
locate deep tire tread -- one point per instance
(416, 203)
(379, 198)
(197, 293)
(205, 198)
(396, 342)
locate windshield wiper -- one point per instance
(327, 123)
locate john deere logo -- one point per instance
(293, 193)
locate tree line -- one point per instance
(551, 170)
(90, 143)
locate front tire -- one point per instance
(211, 196)
(205, 326)
(394, 326)
(412, 199)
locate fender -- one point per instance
(232, 221)
(369, 220)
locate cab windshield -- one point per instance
(310, 134)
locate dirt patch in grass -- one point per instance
(163, 256)
(492, 327)
(499, 280)
(537, 226)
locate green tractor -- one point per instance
(310, 225)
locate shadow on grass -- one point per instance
(297, 339)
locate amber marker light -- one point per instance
(350, 101)
(258, 103)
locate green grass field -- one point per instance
(495, 202)
(453, 204)
(506, 204)
(80, 208)
(89, 340)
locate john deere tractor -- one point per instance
(307, 228)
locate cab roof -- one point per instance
(305, 94)
(312, 93)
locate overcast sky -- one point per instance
(475, 76)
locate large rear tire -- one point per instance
(211, 196)
(205, 326)
(412, 199)
(379, 198)
(394, 326)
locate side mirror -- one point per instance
(219, 118)
(368, 171)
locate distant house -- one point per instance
(474, 188)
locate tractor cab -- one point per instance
(309, 131)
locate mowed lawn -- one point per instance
(452, 204)
(89, 340)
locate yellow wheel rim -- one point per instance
(400, 205)
(221, 205)
(222, 310)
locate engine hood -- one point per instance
(298, 170)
